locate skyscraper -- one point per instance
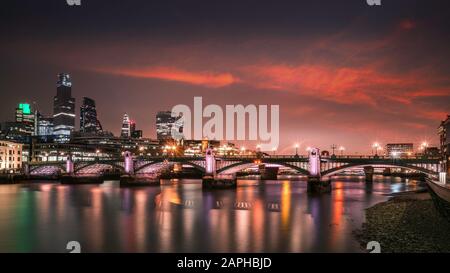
(63, 109)
(25, 117)
(126, 126)
(168, 127)
(88, 117)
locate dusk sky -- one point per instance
(343, 72)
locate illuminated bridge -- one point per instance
(329, 166)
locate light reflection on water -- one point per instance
(275, 216)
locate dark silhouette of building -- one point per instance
(89, 122)
(63, 109)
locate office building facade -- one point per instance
(63, 109)
(89, 122)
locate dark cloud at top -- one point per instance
(341, 71)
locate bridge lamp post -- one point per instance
(274, 150)
(296, 149)
(243, 150)
(333, 147)
(342, 149)
(97, 153)
(375, 147)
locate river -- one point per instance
(178, 216)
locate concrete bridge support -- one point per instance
(368, 171)
(315, 182)
(129, 179)
(213, 181)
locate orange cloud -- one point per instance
(208, 79)
(345, 85)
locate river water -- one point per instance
(271, 216)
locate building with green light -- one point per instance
(25, 117)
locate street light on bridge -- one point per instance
(375, 147)
(296, 148)
(342, 149)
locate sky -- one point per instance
(342, 72)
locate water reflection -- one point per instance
(178, 216)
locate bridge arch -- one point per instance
(158, 165)
(97, 167)
(334, 171)
(236, 167)
(47, 170)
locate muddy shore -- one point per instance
(406, 223)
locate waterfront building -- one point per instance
(106, 140)
(169, 126)
(89, 122)
(14, 131)
(432, 152)
(444, 140)
(198, 147)
(10, 156)
(399, 150)
(63, 109)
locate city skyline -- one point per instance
(336, 82)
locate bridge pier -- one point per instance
(315, 183)
(213, 181)
(71, 178)
(129, 179)
(318, 185)
(368, 171)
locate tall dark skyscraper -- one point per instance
(63, 109)
(89, 122)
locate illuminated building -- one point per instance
(10, 156)
(399, 150)
(43, 125)
(198, 147)
(89, 122)
(63, 109)
(14, 131)
(25, 116)
(126, 127)
(168, 126)
(117, 145)
(444, 139)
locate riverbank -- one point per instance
(406, 223)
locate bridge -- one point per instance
(323, 167)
